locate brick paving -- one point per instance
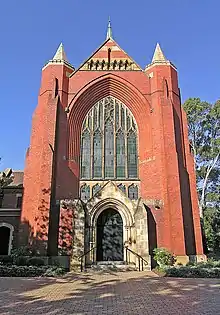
(109, 293)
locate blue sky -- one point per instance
(31, 31)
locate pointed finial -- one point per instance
(109, 30)
(59, 59)
(158, 55)
(60, 53)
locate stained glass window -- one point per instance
(109, 150)
(95, 189)
(133, 192)
(120, 155)
(85, 192)
(85, 155)
(123, 188)
(132, 155)
(95, 122)
(97, 155)
(109, 142)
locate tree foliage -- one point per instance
(5, 178)
(204, 134)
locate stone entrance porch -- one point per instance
(86, 221)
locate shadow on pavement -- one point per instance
(109, 293)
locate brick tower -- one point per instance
(144, 176)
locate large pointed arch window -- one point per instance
(109, 142)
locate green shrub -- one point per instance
(192, 272)
(25, 251)
(163, 257)
(203, 264)
(21, 261)
(21, 271)
(35, 261)
(21, 251)
(216, 264)
(30, 271)
(6, 260)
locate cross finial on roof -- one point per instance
(109, 30)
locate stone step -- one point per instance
(114, 266)
(110, 262)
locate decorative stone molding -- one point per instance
(116, 64)
(156, 203)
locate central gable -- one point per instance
(110, 56)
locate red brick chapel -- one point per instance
(109, 164)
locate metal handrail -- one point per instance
(83, 255)
(141, 259)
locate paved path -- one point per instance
(115, 293)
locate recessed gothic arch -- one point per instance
(95, 90)
(127, 217)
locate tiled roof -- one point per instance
(18, 178)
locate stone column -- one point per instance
(142, 246)
(78, 234)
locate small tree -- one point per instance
(204, 134)
(6, 178)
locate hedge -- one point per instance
(6, 260)
(30, 271)
(192, 272)
(21, 261)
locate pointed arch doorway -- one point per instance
(110, 236)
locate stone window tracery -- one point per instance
(109, 142)
(85, 192)
(133, 192)
(122, 188)
(95, 189)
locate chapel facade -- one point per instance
(109, 164)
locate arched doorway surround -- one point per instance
(127, 229)
(109, 246)
(6, 237)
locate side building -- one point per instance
(10, 213)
